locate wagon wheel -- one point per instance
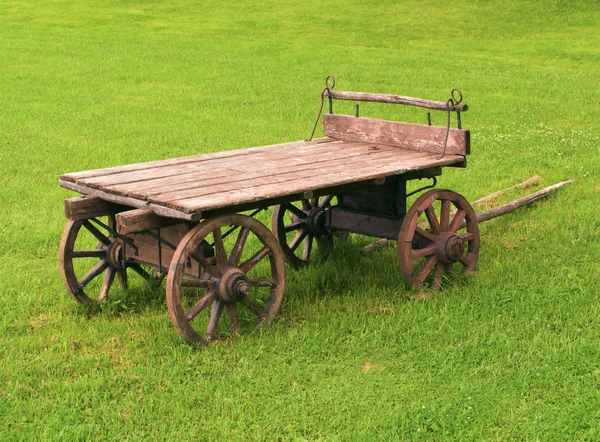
(244, 284)
(88, 250)
(301, 224)
(433, 239)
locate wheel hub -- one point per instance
(233, 285)
(450, 247)
(114, 254)
(315, 221)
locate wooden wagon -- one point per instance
(192, 219)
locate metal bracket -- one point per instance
(431, 186)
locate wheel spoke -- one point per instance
(295, 210)
(249, 264)
(232, 314)
(445, 216)
(308, 241)
(122, 276)
(425, 234)
(220, 253)
(240, 242)
(464, 261)
(211, 269)
(198, 283)
(97, 233)
(426, 269)
(215, 315)
(306, 205)
(298, 239)
(200, 305)
(88, 253)
(437, 276)
(262, 282)
(96, 270)
(294, 226)
(109, 277)
(425, 251)
(467, 236)
(457, 220)
(432, 219)
(326, 201)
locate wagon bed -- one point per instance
(185, 187)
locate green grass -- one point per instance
(512, 354)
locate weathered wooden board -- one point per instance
(332, 166)
(141, 219)
(210, 157)
(382, 199)
(147, 247)
(161, 210)
(364, 223)
(264, 164)
(308, 182)
(184, 188)
(89, 207)
(406, 135)
(393, 99)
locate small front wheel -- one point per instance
(439, 230)
(245, 277)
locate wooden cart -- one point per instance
(183, 217)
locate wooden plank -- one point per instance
(364, 223)
(329, 169)
(75, 176)
(393, 99)
(382, 199)
(262, 175)
(288, 198)
(314, 183)
(407, 135)
(139, 220)
(147, 247)
(263, 163)
(160, 210)
(89, 207)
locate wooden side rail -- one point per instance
(84, 207)
(394, 99)
(393, 133)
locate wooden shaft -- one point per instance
(523, 185)
(514, 205)
(394, 99)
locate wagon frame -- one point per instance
(174, 216)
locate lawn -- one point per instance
(511, 354)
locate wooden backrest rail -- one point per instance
(394, 99)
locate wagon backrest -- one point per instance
(421, 137)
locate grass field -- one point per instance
(512, 354)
